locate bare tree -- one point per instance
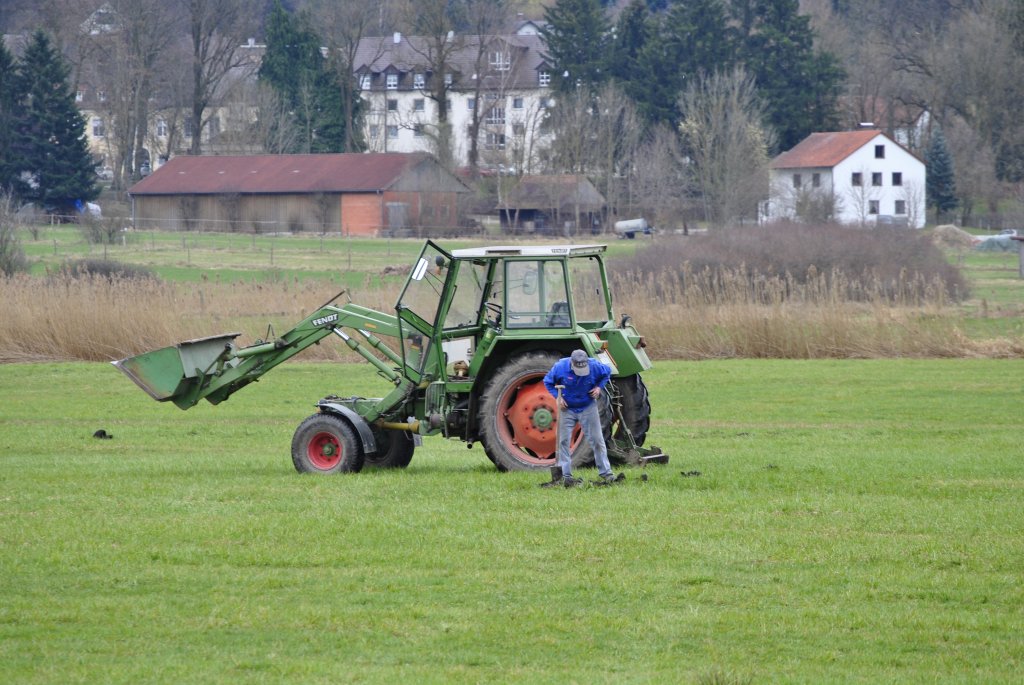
(12, 256)
(437, 21)
(863, 197)
(128, 57)
(660, 182)
(217, 28)
(492, 65)
(722, 133)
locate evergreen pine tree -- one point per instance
(692, 38)
(577, 37)
(49, 133)
(9, 100)
(800, 86)
(296, 69)
(940, 184)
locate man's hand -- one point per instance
(595, 393)
(562, 404)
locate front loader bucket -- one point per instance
(174, 373)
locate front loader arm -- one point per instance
(214, 368)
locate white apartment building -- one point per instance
(502, 79)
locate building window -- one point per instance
(495, 141)
(496, 116)
(897, 178)
(500, 61)
(417, 130)
(876, 179)
(188, 127)
(856, 179)
(392, 131)
(161, 128)
(519, 129)
(447, 79)
(872, 206)
(419, 81)
(471, 104)
(392, 82)
(365, 81)
(879, 152)
(79, 96)
(797, 180)
(419, 105)
(816, 180)
(374, 130)
(544, 79)
(101, 95)
(392, 105)
(517, 103)
(97, 128)
(901, 207)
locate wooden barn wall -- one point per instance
(240, 213)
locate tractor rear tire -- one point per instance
(394, 450)
(517, 414)
(635, 405)
(325, 443)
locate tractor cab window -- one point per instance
(588, 291)
(536, 295)
(464, 310)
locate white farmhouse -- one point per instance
(859, 177)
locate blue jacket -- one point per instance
(577, 388)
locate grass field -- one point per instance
(853, 522)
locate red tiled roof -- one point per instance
(324, 173)
(824, 149)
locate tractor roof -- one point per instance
(529, 251)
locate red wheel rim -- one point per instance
(526, 421)
(324, 451)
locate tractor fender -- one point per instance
(357, 421)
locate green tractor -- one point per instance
(473, 333)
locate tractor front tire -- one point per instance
(635, 405)
(325, 443)
(394, 449)
(517, 417)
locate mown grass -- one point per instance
(854, 522)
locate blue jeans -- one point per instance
(589, 419)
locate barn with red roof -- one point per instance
(352, 194)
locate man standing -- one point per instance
(583, 379)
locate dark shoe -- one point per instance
(610, 479)
(556, 477)
(571, 482)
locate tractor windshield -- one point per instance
(423, 290)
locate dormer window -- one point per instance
(447, 79)
(392, 82)
(500, 60)
(419, 81)
(544, 79)
(365, 81)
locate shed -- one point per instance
(355, 194)
(553, 204)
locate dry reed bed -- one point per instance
(683, 315)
